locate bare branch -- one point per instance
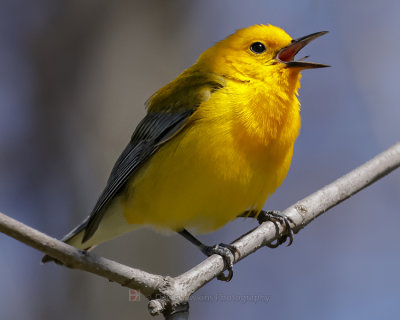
(73, 258)
(170, 295)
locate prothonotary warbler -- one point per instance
(215, 143)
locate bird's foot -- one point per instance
(275, 217)
(227, 252)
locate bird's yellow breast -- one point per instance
(235, 151)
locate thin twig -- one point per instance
(73, 258)
(170, 295)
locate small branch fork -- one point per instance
(170, 296)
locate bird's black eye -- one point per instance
(257, 47)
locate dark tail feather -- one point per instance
(67, 238)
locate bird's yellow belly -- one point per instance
(202, 179)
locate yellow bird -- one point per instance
(215, 143)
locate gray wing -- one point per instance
(155, 129)
(152, 131)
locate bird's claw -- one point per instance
(227, 252)
(276, 217)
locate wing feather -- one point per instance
(152, 131)
(169, 112)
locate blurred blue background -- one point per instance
(73, 82)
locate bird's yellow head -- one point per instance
(257, 53)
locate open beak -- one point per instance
(287, 54)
